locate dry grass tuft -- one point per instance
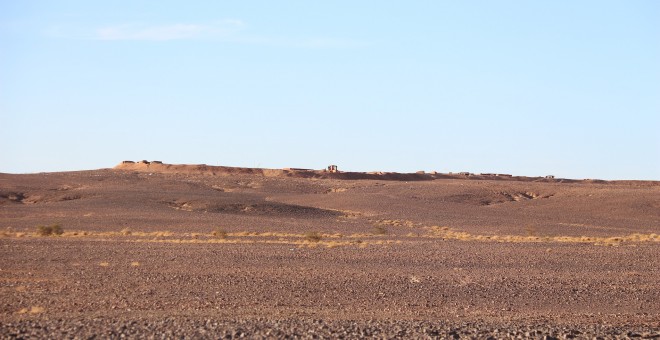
(333, 244)
(394, 223)
(8, 232)
(32, 310)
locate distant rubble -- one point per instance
(332, 172)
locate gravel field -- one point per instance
(190, 328)
(162, 255)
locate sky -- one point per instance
(562, 87)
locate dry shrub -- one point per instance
(220, 233)
(44, 230)
(54, 229)
(380, 230)
(313, 236)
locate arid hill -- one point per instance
(157, 166)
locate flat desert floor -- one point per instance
(155, 252)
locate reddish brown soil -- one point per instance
(320, 254)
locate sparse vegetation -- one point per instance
(54, 229)
(313, 236)
(446, 233)
(394, 223)
(7, 232)
(220, 233)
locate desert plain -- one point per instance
(147, 249)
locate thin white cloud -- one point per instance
(228, 31)
(221, 29)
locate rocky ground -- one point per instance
(204, 256)
(186, 327)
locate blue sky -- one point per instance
(570, 88)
